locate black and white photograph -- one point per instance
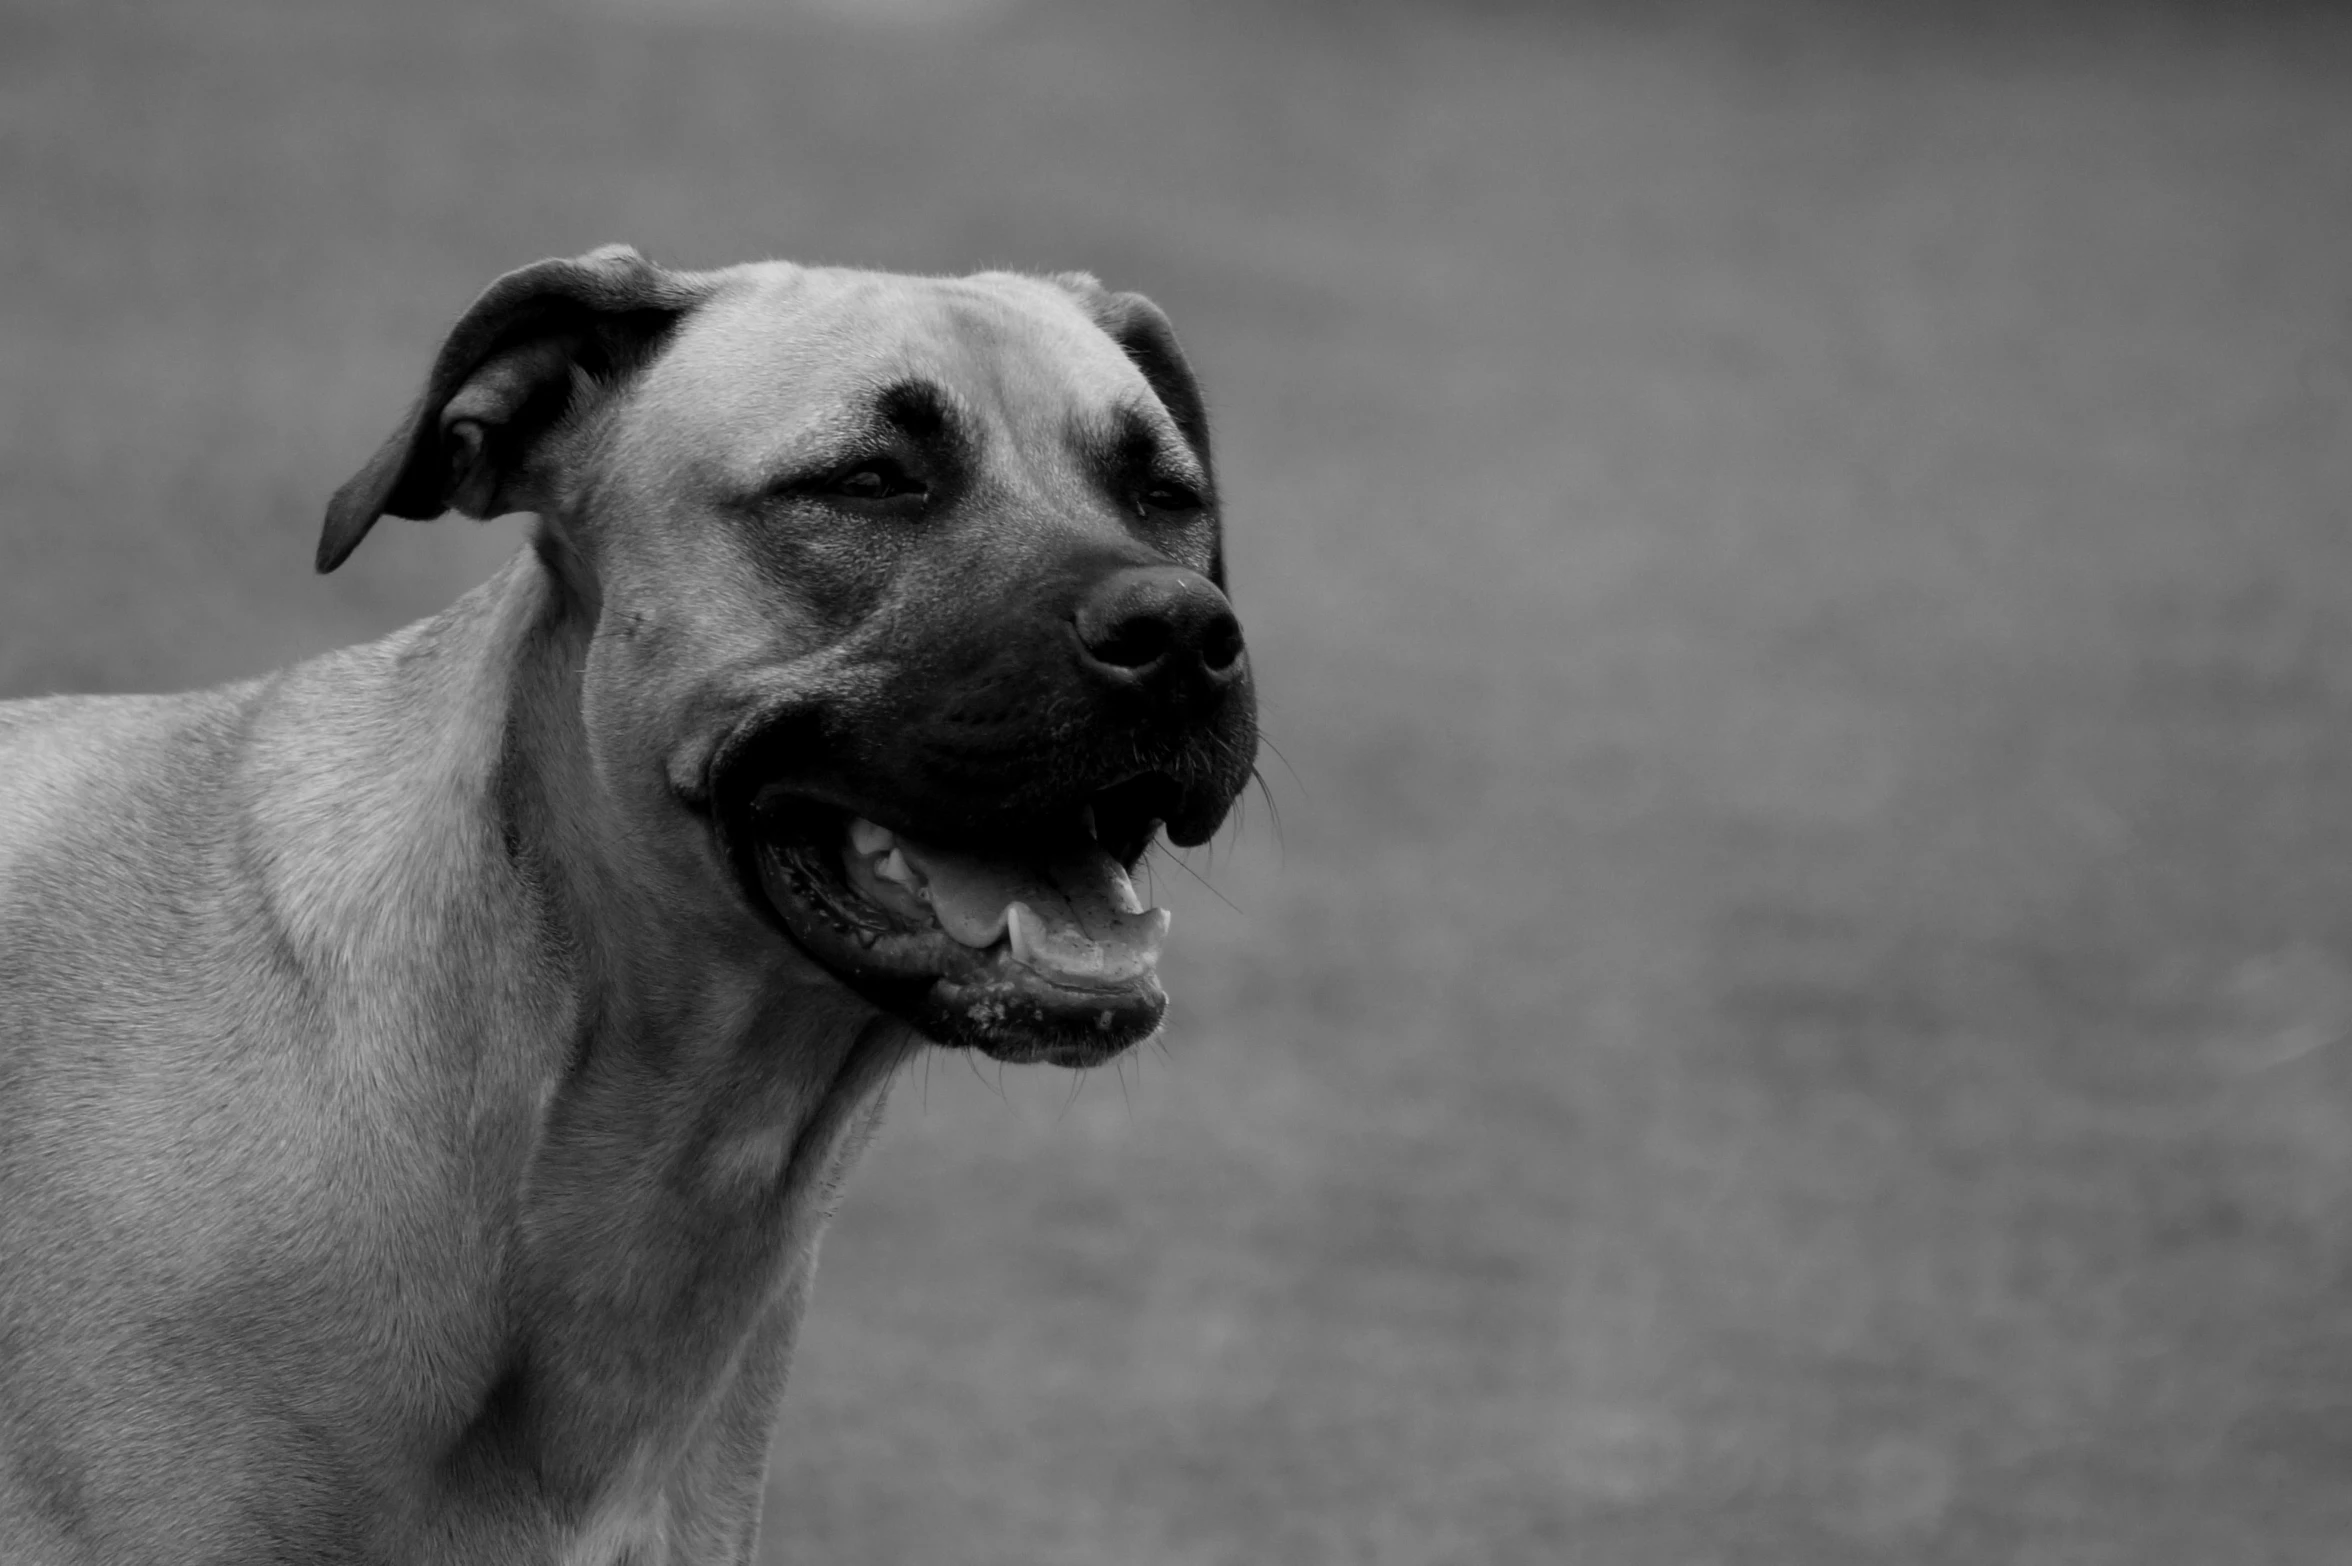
(1086, 783)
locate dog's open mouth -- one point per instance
(1031, 950)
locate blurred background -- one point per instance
(1798, 557)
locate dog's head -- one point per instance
(910, 630)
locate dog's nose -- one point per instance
(1163, 629)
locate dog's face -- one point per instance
(910, 623)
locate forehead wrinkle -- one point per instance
(825, 424)
(1059, 390)
(925, 409)
(1105, 407)
(856, 415)
(1133, 426)
(790, 365)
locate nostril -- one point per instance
(1136, 642)
(1220, 646)
(1160, 627)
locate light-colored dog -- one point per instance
(424, 1073)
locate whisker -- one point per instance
(1268, 743)
(972, 1060)
(1170, 851)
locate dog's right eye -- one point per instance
(880, 479)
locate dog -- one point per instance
(425, 1073)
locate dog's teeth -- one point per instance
(894, 867)
(1122, 888)
(884, 877)
(865, 837)
(1049, 950)
(1021, 932)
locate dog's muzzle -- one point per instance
(960, 849)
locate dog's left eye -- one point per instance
(877, 480)
(1167, 495)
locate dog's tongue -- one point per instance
(1072, 915)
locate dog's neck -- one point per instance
(678, 1109)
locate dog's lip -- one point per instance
(1061, 984)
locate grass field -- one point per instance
(1799, 558)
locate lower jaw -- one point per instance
(961, 996)
(1021, 1018)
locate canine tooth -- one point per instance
(1031, 940)
(1123, 890)
(868, 838)
(894, 867)
(1021, 924)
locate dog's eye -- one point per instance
(880, 479)
(1168, 495)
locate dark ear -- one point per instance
(1141, 329)
(506, 374)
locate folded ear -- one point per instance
(509, 370)
(1141, 330)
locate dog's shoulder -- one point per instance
(76, 764)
